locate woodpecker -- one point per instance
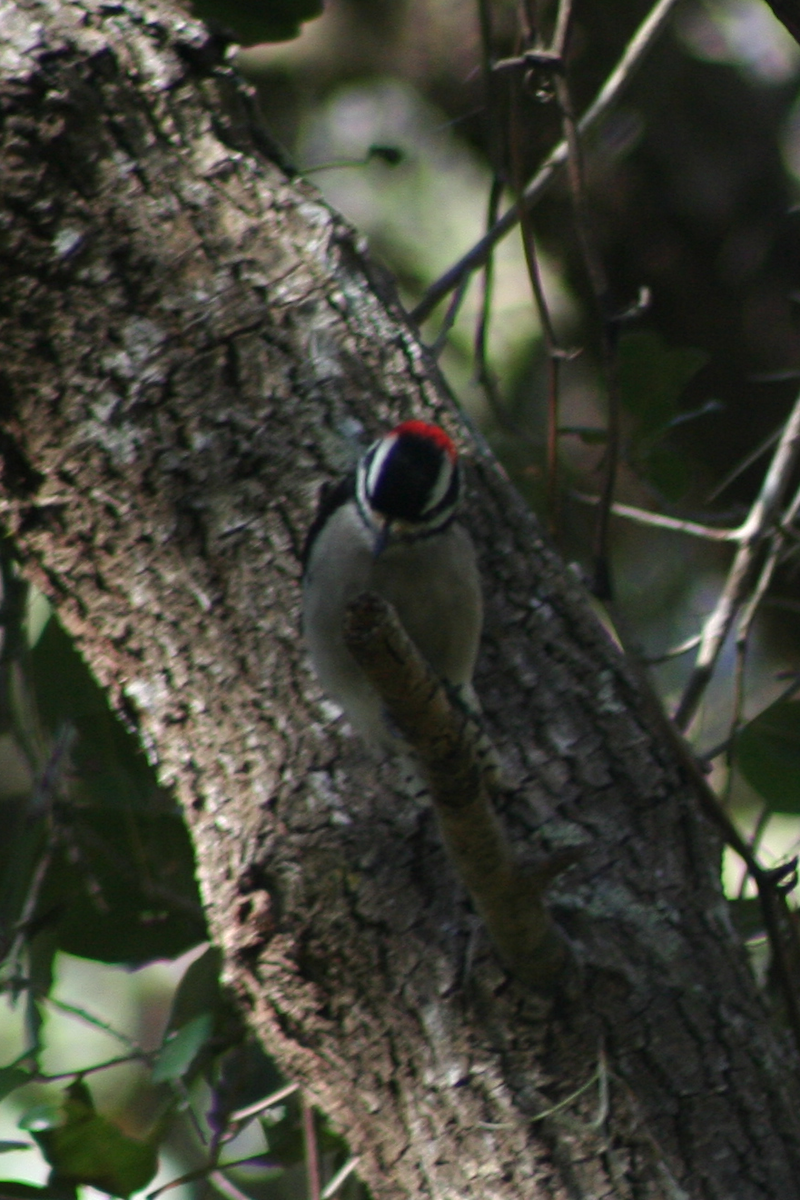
(390, 527)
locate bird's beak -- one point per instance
(382, 539)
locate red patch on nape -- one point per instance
(432, 433)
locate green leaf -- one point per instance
(131, 896)
(181, 1048)
(652, 377)
(768, 755)
(198, 991)
(85, 1148)
(12, 1078)
(38, 612)
(111, 767)
(34, 1020)
(39, 1116)
(254, 21)
(747, 916)
(126, 892)
(244, 1075)
(22, 847)
(14, 1190)
(667, 471)
(391, 155)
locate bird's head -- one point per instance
(408, 483)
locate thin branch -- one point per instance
(751, 536)
(484, 375)
(641, 515)
(598, 280)
(252, 1110)
(225, 1187)
(453, 755)
(568, 1100)
(746, 462)
(51, 778)
(779, 923)
(310, 1150)
(40, 814)
(140, 1057)
(780, 535)
(552, 349)
(676, 652)
(483, 372)
(620, 77)
(708, 756)
(558, 45)
(750, 608)
(74, 1010)
(202, 1173)
(449, 321)
(494, 130)
(336, 1181)
(484, 313)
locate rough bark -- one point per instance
(186, 334)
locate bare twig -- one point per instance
(676, 652)
(633, 56)
(484, 375)
(138, 1056)
(742, 466)
(336, 1181)
(759, 521)
(310, 1150)
(449, 321)
(708, 756)
(659, 521)
(558, 46)
(82, 1014)
(551, 62)
(41, 832)
(483, 372)
(52, 775)
(779, 923)
(568, 1100)
(747, 616)
(552, 349)
(781, 534)
(494, 130)
(225, 1187)
(252, 1110)
(598, 280)
(446, 740)
(482, 326)
(202, 1173)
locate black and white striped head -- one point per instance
(408, 483)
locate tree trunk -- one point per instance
(187, 336)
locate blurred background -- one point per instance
(691, 187)
(691, 183)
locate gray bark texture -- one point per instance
(186, 334)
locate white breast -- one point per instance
(434, 586)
